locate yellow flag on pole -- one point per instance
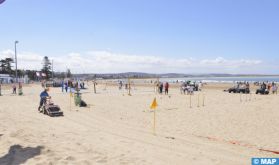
(154, 104)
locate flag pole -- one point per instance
(70, 99)
(154, 122)
(190, 100)
(203, 100)
(129, 87)
(154, 107)
(198, 100)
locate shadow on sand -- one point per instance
(18, 155)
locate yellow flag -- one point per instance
(71, 94)
(154, 104)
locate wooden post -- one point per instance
(70, 99)
(154, 107)
(156, 87)
(129, 87)
(94, 87)
(154, 122)
(105, 88)
(198, 100)
(203, 100)
(190, 100)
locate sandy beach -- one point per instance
(220, 128)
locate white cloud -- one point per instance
(108, 62)
(220, 61)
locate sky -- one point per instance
(153, 36)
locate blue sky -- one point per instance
(185, 36)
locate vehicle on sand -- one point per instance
(238, 90)
(262, 91)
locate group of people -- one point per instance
(65, 85)
(127, 86)
(160, 86)
(269, 86)
(265, 86)
(189, 87)
(243, 85)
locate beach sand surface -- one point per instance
(116, 128)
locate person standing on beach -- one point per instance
(274, 88)
(166, 88)
(120, 85)
(66, 87)
(200, 86)
(161, 88)
(14, 89)
(83, 87)
(158, 86)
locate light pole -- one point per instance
(52, 70)
(16, 42)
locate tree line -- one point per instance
(6, 68)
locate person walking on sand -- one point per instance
(43, 97)
(14, 89)
(66, 87)
(166, 88)
(161, 88)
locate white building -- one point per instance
(5, 78)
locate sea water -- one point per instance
(224, 79)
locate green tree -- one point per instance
(46, 67)
(2, 66)
(31, 74)
(68, 73)
(6, 66)
(9, 66)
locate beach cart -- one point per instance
(50, 109)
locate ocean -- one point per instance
(224, 79)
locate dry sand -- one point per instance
(117, 128)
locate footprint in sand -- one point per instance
(16, 133)
(70, 158)
(84, 162)
(103, 160)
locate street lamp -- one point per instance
(16, 42)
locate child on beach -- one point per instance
(14, 89)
